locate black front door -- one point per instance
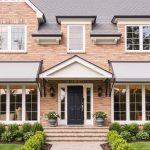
(75, 105)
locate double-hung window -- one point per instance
(76, 38)
(138, 38)
(12, 38)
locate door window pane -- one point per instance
(88, 107)
(120, 103)
(3, 38)
(15, 103)
(31, 103)
(17, 37)
(63, 99)
(146, 38)
(3, 93)
(135, 102)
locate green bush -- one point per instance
(28, 135)
(132, 128)
(126, 136)
(7, 136)
(115, 126)
(13, 128)
(18, 134)
(2, 129)
(133, 138)
(142, 135)
(146, 128)
(19, 139)
(37, 127)
(26, 127)
(35, 142)
(116, 142)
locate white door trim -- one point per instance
(85, 85)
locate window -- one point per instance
(120, 103)
(136, 102)
(88, 94)
(31, 103)
(138, 38)
(76, 39)
(12, 38)
(147, 102)
(62, 98)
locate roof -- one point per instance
(105, 10)
(69, 69)
(19, 71)
(131, 71)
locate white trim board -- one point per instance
(50, 73)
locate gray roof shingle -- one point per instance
(103, 9)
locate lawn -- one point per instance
(141, 145)
(9, 146)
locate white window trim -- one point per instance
(128, 121)
(9, 50)
(7, 121)
(85, 86)
(140, 38)
(75, 51)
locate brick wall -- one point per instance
(21, 13)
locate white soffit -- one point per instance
(75, 68)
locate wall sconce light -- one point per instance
(52, 92)
(100, 91)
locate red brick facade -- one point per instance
(21, 13)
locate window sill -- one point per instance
(12, 52)
(137, 51)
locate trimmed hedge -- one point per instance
(35, 142)
(116, 142)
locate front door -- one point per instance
(75, 105)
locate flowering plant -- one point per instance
(52, 115)
(100, 115)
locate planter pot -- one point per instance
(52, 122)
(100, 122)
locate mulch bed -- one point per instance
(105, 146)
(46, 146)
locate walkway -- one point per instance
(76, 146)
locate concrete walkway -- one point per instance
(76, 146)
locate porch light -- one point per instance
(52, 92)
(100, 91)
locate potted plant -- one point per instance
(100, 118)
(52, 118)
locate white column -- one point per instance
(143, 103)
(128, 103)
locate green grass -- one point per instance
(141, 145)
(9, 146)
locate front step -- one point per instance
(76, 134)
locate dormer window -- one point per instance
(138, 38)
(76, 38)
(12, 38)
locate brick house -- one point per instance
(75, 59)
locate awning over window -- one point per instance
(131, 71)
(19, 71)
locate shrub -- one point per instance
(18, 139)
(133, 138)
(2, 129)
(115, 126)
(26, 127)
(146, 128)
(17, 134)
(132, 128)
(142, 135)
(126, 136)
(35, 142)
(28, 135)
(37, 127)
(7, 136)
(116, 142)
(13, 128)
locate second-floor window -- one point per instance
(12, 38)
(138, 38)
(76, 38)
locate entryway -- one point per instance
(75, 104)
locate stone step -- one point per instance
(68, 127)
(61, 139)
(76, 134)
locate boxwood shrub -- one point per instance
(142, 135)
(115, 126)
(116, 142)
(126, 136)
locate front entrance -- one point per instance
(75, 105)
